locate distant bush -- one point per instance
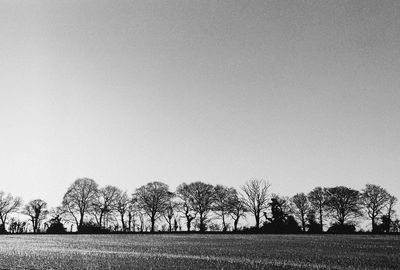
(342, 228)
(91, 228)
(56, 226)
(312, 226)
(286, 225)
(250, 230)
(3, 229)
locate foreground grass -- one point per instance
(167, 251)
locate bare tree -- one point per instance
(223, 202)
(37, 211)
(343, 203)
(141, 214)
(8, 205)
(122, 206)
(153, 199)
(389, 213)
(256, 197)
(302, 207)
(396, 225)
(170, 211)
(80, 198)
(105, 203)
(17, 226)
(132, 210)
(201, 200)
(374, 199)
(185, 206)
(317, 200)
(238, 209)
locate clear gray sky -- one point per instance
(301, 93)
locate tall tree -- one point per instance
(389, 213)
(8, 205)
(17, 226)
(317, 200)
(256, 193)
(132, 210)
(374, 199)
(201, 200)
(223, 202)
(238, 209)
(37, 211)
(185, 205)
(122, 206)
(343, 203)
(105, 203)
(153, 199)
(80, 198)
(169, 212)
(302, 207)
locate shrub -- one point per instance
(56, 227)
(342, 228)
(90, 227)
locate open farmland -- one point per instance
(181, 251)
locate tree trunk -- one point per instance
(153, 220)
(33, 224)
(257, 217)
(188, 222)
(170, 224)
(202, 229)
(80, 222)
(101, 219)
(341, 221)
(123, 222)
(223, 223)
(320, 220)
(373, 225)
(129, 221)
(235, 223)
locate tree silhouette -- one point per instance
(153, 198)
(302, 207)
(185, 205)
(37, 211)
(312, 225)
(223, 202)
(317, 200)
(169, 211)
(238, 209)
(8, 205)
(374, 199)
(105, 203)
(122, 202)
(280, 221)
(256, 197)
(80, 198)
(343, 203)
(389, 213)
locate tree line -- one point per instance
(200, 206)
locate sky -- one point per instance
(299, 93)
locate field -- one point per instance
(180, 251)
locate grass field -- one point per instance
(166, 251)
